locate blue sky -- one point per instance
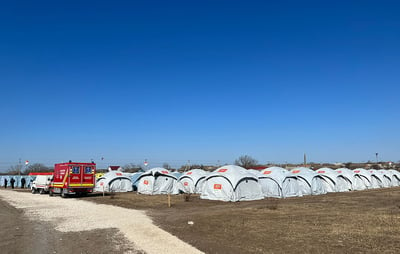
(205, 81)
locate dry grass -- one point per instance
(356, 222)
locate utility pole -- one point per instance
(305, 159)
(19, 167)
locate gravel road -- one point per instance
(74, 215)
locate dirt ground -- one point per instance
(18, 234)
(354, 222)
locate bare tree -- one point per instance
(246, 161)
(14, 170)
(131, 168)
(37, 167)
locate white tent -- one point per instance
(134, 179)
(157, 181)
(17, 178)
(386, 178)
(345, 180)
(255, 172)
(310, 183)
(362, 179)
(279, 183)
(376, 179)
(231, 183)
(192, 181)
(114, 181)
(395, 177)
(329, 177)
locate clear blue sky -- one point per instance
(205, 81)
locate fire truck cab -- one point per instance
(73, 178)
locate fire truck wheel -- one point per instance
(63, 194)
(41, 191)
(33, 191)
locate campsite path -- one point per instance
(19, 234)
(74, 215)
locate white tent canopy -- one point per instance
(329, 177)
(345, 180)
(395, 177)
(192, 181)
(114, 181)
(310, 183)
(231, 183)
(157, 181)
(362, 179)
(278, 182)
(17, 178)
(255, 172)
(376, 179)
(386, 178)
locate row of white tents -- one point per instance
(17, 178)
(234, 183)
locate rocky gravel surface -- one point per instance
(133, 231)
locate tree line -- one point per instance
(244, 161)
(35, 167)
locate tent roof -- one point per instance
(394, 172)
(234, 174)
(305, 173)
(328, 172)
(345, 172)
(385, 172)
(376, 173)
(114, 168)
(194, 174)
(158, 171)
(276, 173)
(114, 174)
(255, 172)
(363, 172)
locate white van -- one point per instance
(41, 184)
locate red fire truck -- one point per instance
(73, 178)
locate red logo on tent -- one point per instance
(222, 170)
(186, 183)
(146, 182)
(164, 172)
(101, 184)
(357, 171)
(189, 173)
(217, 186)
(339, 171)
(321, 172)
(267, 172)
(295, 171)
(118, 174)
